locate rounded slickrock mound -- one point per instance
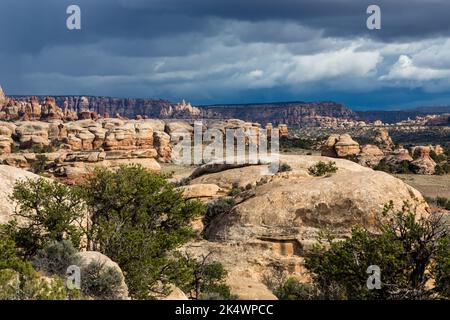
(8, 178)
(277, 218)
(299, 207)
(88, 257)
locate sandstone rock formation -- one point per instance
(294, 113)
(8, 177)
(370, 155)
(276, 221)
(340, 146)
(382, 139)
(88, 257)
(423, 163)
(82, 145)
(199, 191)
(2, 97)
(175, 295)
(284, 132)
(398, 155)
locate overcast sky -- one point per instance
(230, 51)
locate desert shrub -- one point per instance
(322, 168)
(15, 148)
(56, 257)
(289, 143)
(42, 149)
(285, 287)
(442, 169)
(18, 279)
(292, 289)
(51, 212)
(441, 269)
(443, 202)
(407, 248)
(216, 208)
(183, 182)
(100, 282)
(235, 190)
(138, 219)
(40, 164)
(284, 167)
(404, 167)
(201, 279)
(438, 158)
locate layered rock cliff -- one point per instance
(290, 113)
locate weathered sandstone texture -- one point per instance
(277, 218)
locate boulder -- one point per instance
(8, 177)
(15, 160)
(346, 146)
(328, 146)
(175, 294)
(299, 206)
(382, 139)
(283, 129)
(423, 163)
(370, 155)
(178, 126)
(155, 124)
(162, 144)
(88, 257)
(278, 223)
(31, 133)
(398, 155)
(196, 191)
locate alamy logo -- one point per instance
(73, 281)
(73, 22)
(374, 20)
(374, 280)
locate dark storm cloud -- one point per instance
(28, 25)
(214, 50)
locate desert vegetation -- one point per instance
(411, 253)
(131, 215)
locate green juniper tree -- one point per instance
(137, 220)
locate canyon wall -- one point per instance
(291, 113)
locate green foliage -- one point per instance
(288, 288)
(292, 289)
(56, 257)
(322, 168)
(216, 208)
(15, 148)
(403, 167)
(137, 220)
(37, 148)
(296, 143)
(405, 250)
(201, 279)
(18, 279)
(8, 254)
(51, 212)
(440, 202)
(101, 282)
(438, 158)
(442, 169)
(284, 167)
(235, 190)
(40, 164)
(441, 269)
